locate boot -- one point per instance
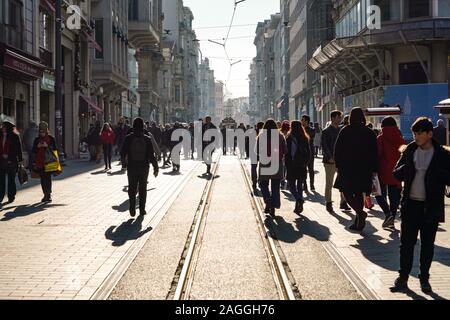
(298, 207)
(344, 206)
(400, 285)
(425, 284)
(132, 207)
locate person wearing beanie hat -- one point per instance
(10, 157)
(43, 142)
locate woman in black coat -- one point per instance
(297, 159)
(10, 157)
(356, 163)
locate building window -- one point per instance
(99, 37)
(14, 23)
(45, 22)
(412, 73)
(444, 8)
(418, 8)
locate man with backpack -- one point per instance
(138, 149)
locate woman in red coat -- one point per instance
(108, 137)
(388, 144)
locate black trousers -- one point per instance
(311, 169)
(46, 183)
(107, 154)
(415, 220)
(12, 189)
(137, 180)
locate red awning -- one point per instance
(92, 40)
(48, 4)
(91, 103)
(21, 65)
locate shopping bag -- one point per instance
(22, 175)
(52, 163)
(376, 188)
(50, 156)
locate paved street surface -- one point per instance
(85, 246)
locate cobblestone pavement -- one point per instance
(370, 259)
(66, 250)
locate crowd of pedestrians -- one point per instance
(359, 161)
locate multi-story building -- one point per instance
(145, 20)
(207, 90)
(110, 66)
(404, 62)
(167, 75)
(262, 108)
(253, 93)
(20, 65)
(219, 113)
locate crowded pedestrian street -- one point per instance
(85, 246)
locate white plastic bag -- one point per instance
(376, 188)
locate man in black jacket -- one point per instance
(207, 126)
(424, 167)
(328, 140)
(138, 149)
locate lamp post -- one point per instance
(58, 75)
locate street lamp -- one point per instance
(58, 74)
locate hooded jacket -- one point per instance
(388, 151)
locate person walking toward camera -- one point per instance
(355, 156)
(306, 121)
(424, 168)
(138, 149)
(11, 157)
(108, 137)
(43, 142)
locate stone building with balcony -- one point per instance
(404, 62)
(145, 27)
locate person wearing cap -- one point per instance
(40, 145)
(11, 156)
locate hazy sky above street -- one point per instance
(211, 21)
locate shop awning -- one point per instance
(19, 65)
(91, 103)
(92, 40)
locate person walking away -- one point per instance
(368, 202)
(424, 168)
(272, 197)
(317, 139)
(247, 143)
(165, 145)
(297, 157)
(388, 145)
(89, 142)
(285, 128)
(328, 141)
(223, 131)
(28, 138)
(138, 149)
(11, 157)
(107, 136)
(355, 156)
(439, 133)
(207, 126)
(254, 166)
(306, 120)
(192, 133)
(157, 136)
(43, 142)
(96, 141)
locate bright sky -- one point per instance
(218, 13)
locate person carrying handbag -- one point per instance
(10, 158)
(41, 147)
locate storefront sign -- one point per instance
(22, 66)
(48, 82)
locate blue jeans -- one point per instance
(394, 194)
(272, 196)
(296, 188)
(254, 173)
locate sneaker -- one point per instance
(11, 200)
(400, 285)
(344, 206)
(330, 207)
(425, 285)
(388, 222)
(132, 211)
(46, 198)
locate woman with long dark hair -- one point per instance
(356, 163)
(10, 157)
(108, 137)
(43, 142)
(297, 159)
(272, 197)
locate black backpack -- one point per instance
(138, 149)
